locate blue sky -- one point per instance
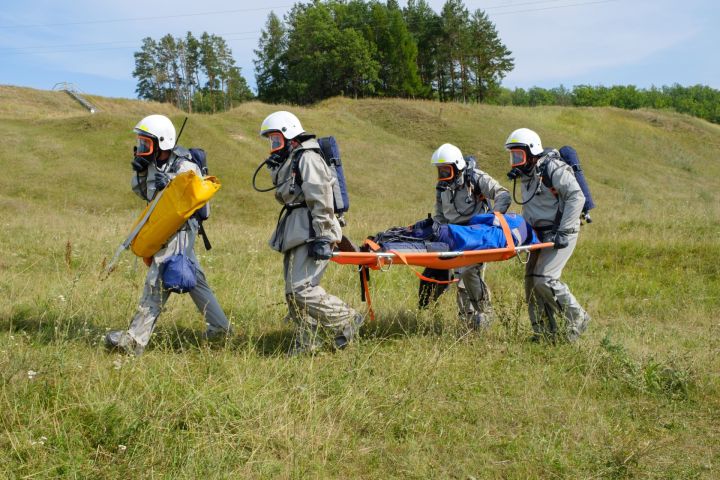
(554, 42)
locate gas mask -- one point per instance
(447, 176)
(280, 149)
(521, 163)
(145, 151)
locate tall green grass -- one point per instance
(419, 396)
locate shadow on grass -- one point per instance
(278, 342)
(48, 328)
(407, 323)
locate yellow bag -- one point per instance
(174, 205)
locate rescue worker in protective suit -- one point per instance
(463, 191)
(552, 202)
(157, 161)
(306, 233)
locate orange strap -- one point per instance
(403, 259)
(374, 247)
(366, 289)
(506, 230)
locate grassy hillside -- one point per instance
(419, 396)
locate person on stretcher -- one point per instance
(481, 232)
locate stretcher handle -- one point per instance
(133, 233)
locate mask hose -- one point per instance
(528, 200)
(254, 185)
(275, 160)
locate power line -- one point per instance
(76, 50)
(242, 10)
(107, 43)
(513, 4)
(553, 8)
(137, 19)
(52, 48)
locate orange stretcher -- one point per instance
(378, 260)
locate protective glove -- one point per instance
(161, 180)
(140, 164)
(320, 249)
(560, 239)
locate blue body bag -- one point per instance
(484, 232)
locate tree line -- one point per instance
(195, 74)
(697, 100)
(359, 48)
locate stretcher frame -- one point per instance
(377, 260)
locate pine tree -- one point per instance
(147, 72)
(425, 27)
(211, 67)
(237, 86)
(189, 55)
(489, 59)
(172, 70)
(270, 61)
(168, 58)
(453, 68)
(325, 60)
(396, 52)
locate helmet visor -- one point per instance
(518, 157)
(277, 141)
(445, 173)
(144, 146)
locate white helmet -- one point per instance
(283, 122)
(160, 127)
(448, 154)
(524, 137)
(449, 161)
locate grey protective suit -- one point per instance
(551, 306)
(308, 213)
(456, 205)
(154, 297)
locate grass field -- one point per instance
(419, 396)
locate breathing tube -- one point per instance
(276, 160)
(267, 161)
(513, 175)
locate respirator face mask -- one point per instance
(146, 149)
(520, 164)
(445, 173)
(277, 141)
(144, 146)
